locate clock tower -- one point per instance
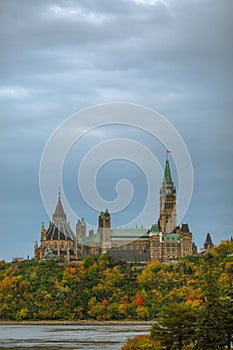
(167, 218)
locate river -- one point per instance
(64, 337)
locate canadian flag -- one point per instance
(169, 151)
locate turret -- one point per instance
(104, 230)
(43, 232)
(81, 229)
(36, 251)
(208, 242)
(101, 221)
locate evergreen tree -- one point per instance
(227, 303)
(210, 332)
(176, 325)
(227, 308)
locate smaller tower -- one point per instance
(81, 228)
(101, 218)
(155, 240)
(208, 242)
(43, 232)
(186, 244)
(207, 245)
(104, 230)
(36, 251)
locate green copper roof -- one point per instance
(129, 234)
(155, 228)
(119, 234)
(171, 237)
(167, 175)
(88, 240)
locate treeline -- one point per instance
(203, 322)
(197, 288)
(184, 325)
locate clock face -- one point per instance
(168, 191)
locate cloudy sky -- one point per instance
(59, 57)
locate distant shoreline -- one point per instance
(78, 322)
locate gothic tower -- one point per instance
(42, 233)
(167, 218)
(208, 242)
(81, 229)
(104, 230)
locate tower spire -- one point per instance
(59, 211)
(167, 179)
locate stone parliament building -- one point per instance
(164, 241)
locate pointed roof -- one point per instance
(59, 211)
(59, 228)
(155, 228)
(167, 179)
(101, 214)
(185, 228)
(208, 242)
(106, 213)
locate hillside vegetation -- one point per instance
(198, 314)
(101, 290)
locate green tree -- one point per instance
(175, 326)
(227, 302)
(227, 308)
(89, 261)
(210, 332)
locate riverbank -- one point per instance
(77, 322)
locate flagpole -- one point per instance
(168, 151)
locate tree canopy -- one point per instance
(191, 300)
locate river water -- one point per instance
(64, 337)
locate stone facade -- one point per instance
(164, 241)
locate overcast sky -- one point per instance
(58, 57)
